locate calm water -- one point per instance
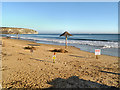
(108, 43)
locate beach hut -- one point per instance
(66, 34)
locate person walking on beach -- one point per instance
(31, 50)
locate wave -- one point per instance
(100, 43)
(80, 38)
(92, 42)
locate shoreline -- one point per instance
(68, 46)
(22, 69)
(64, 46)
(107, 47)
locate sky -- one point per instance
(57, 17)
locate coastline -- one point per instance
(63, 47)
(108, 46)
(21, 69)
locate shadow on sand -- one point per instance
(76, 56)
(110, 72)
(33, 44)
(75, 82)
(41, 60)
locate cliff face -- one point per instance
(9, 30)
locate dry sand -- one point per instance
(75, 69)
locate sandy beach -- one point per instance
(75, 69)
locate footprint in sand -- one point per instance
(20, 59)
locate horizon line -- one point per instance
(81, 32)
(59, 0)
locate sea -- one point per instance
(107, 43)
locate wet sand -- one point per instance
(75, 69)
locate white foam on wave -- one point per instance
(102, 44)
